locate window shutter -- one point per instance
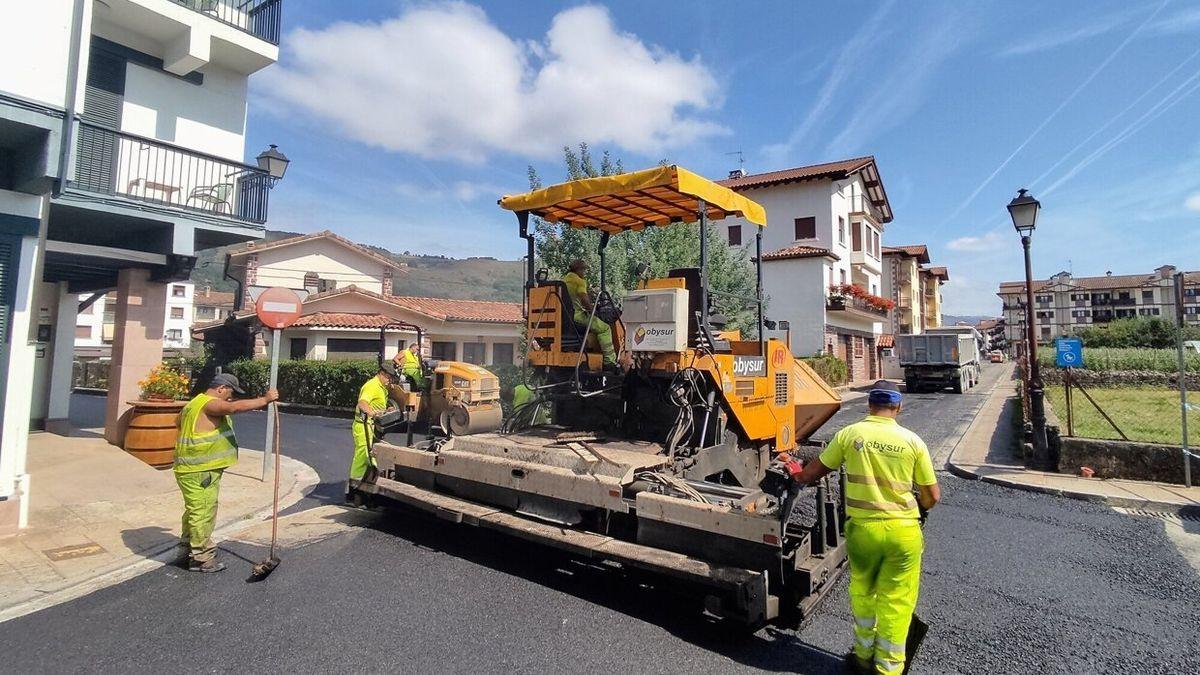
(9, 245)
(96, 151)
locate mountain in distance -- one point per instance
(428, 275)
(972, 319)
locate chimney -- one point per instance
(737, 173)
(1108, 273)
(1166, 271)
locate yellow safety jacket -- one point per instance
(409, 362)
(576, 288)
(206, 451)
(883, 460)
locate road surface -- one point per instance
(1014, 582)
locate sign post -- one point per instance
(277, 308)
(1183, 404)
(1068, 353)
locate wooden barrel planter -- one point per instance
(153, 427)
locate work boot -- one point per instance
(207, 567)
(855, 665)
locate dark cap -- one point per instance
(885, 385)
(227, 380)
(884, 393)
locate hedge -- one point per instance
(1125, 359)
(831, 369)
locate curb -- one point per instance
(161, 555)
(1109, 500)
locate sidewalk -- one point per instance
(99, 516)
(985, 452)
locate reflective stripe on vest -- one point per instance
(206, 451)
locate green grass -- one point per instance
(1150, 415)
(1114, 358)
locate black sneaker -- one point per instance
(210, 567)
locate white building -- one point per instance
(347, 291)
(122, 134)
(95, 323)
(824, 231)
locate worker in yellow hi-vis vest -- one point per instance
(883, 461)
(408, 364)
(581, 298)
(204, 448)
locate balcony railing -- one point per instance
(259, 18)
(835, 304)
(862, 204)
(115, 163)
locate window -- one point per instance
(351, 348)
(174, 335)
(856, 236)
(83, 332)
(206, 313)
(1191, 310)
(1045, 299)
(176, 312)
(1124, 295)
(1149, 311)
(1045, 315)
(1191, 292)
(1148, 296)
(445, 351)
(841, 230)
(311, 280)
(735, 235)
(875, 239)
(806, 228)
(843, 276)
(502, 352)
(874, 289)
(178, 291)
(297, 348)
(1045, 334)
(474, 352)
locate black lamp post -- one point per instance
(274, 162)
(1024, 211)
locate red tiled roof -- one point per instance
(343, 320)
(799, 251)
(1106, 282)
(212, 299)
(941, 272)
(255, 247)
(885, 341)
(463, 310)
(918, 251)
(839, 169)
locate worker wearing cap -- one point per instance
(372, 402)
(205, 447)
(408, 363)
(581, 299)
(883, 461)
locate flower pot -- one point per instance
(153, 428)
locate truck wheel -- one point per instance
(910, 386)
(958, 384)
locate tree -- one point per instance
(663, 248)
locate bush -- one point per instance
(332, 384)
(1136, 332)
(831, 369)
(1113, 359)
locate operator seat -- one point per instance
(572, 333)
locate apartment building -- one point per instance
(95, 321)
(122, 136)
(348, 300)
(822, 255)
(209, 305)
(1063, 304)
(932, 279)
(902, 285)
(994, 332)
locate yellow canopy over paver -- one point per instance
(631, 201)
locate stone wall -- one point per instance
(1121, 378)
(1122, 459)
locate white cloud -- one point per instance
(463, 191)
(1192, 203)
(986, 243)
(442, 81)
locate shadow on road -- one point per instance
(637, 594)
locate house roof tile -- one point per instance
(257, 247)
(463, 310)
(343, 320)
(1106, 282)
(918, 251)
(832, 170)
(799, 251)
(885, 341)
(940, 272)
(212, 299)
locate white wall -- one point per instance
(184, 324)
(95, 320)
(34, 48)
(210, 118)
(286, 266)
(797, 295)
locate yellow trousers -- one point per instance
(363, 435)
(885, 576)
(200, 489)
(603, 333)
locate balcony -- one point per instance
(1123, 302)
(853, 299)
(118, 164)
(260, 18)
(861, 205)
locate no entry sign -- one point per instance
(278, 307)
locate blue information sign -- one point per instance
(1068, 352)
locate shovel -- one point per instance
(263, 569)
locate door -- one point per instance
(298, 348)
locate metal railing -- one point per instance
(862, 204)
(116, 163)
(260, 18)
(835, 303)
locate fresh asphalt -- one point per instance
(1014, 582)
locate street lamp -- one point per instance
(1024, 211)
(274, 162)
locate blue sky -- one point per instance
(406, 121)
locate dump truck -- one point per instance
(656, 466)
(940, 358)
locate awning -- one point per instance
(631, 201)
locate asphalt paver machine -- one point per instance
(654, 467)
